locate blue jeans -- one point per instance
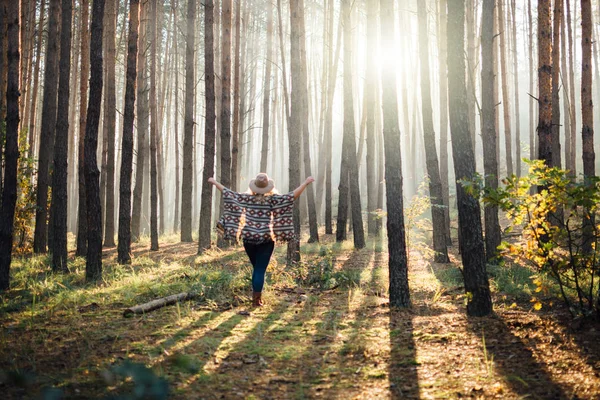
(259, 255)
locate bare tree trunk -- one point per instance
(235, 154)
(109, 123)
(59, 177)
(36, 76)
(49, 110)
(516, 83)
(296, 124)
(188, 127)
(469, 214)
(572, 166)
(9, 190)
(153, 130)
(505, 94)
(209, 128)
(545, 82)
(564, 78)
(72, 172)
(398, 260)
(435, 184)
(124, 247)
(93, 267)
(370, 94)
(556, 156)
(532, 152)
(176, 118)
(267, 90)
(310, 195)
(587, 106)
(225, 116)
(83, 100)
(142, 125)
(488, 117)
(443, 54)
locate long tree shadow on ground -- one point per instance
(514, 360)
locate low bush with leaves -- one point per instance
(559, 232)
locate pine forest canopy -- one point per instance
(118, 111)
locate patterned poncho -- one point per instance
(257, 218)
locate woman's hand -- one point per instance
(212, 181)
(309, 180)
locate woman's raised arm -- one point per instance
(298, 191)
(216, 184)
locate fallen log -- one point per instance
(158, 303)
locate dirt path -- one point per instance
(340, 343)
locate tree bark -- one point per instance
(83, 100)
(545, 82)
(398, 260)
(556, 156)
(371, 93)
(153, 130)
(349, 168)
(225, 116)
(296, 124)
(572, 112)
(435, 184)
(188, 126)
(488, 122)
(469, 214)
(124, 247)
(505, 93)
(93, 267)
(49, 109)
(11, 154)
(443, 78)
(264, 152)
(36, 77)
(235, 154)
(59, 177)
(516, 83)
(142, 125)
(204, 241)
(109, 123)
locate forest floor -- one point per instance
(336, 338)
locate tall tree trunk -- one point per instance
(225, 116)
(59, 177)
(83, 100)
(516, 83)
(587, 114)
(109, 123)
(504, 37)
(9, 190)
(310, 195)
(296, 124)
(469, 214)
(235, 167)
(532, 126)
(565, 93)
(36, 77)
(154, 126)
(443, 54)
(556, 156)
(188, 126)
(267, 90)
(209, 127)
(142, 126)
(435, 184)
(124, 247)
(371, 94)
(176, 117)
(398, 260)
(488, 122)
(72, 166)
(545, 82)
(349, 168)
(93, 267)
(47, 131)
(572, 112)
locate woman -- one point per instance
(258, 217)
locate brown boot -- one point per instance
(256, 299)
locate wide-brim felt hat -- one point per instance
(262, 184)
